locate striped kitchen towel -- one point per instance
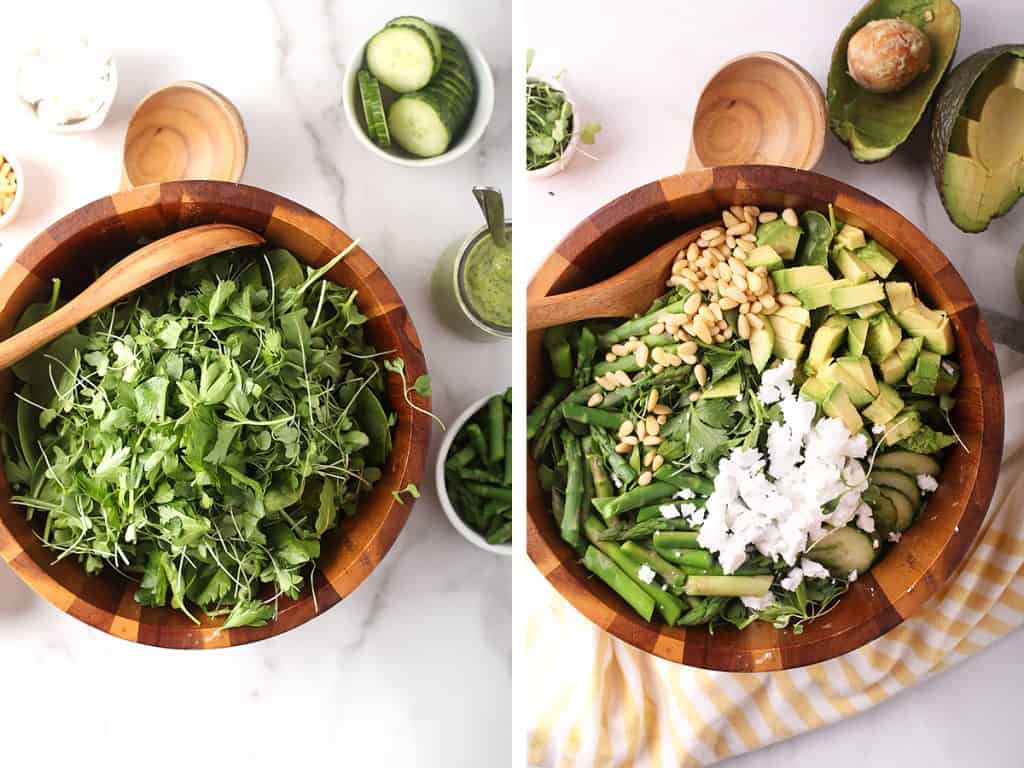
(595, 701)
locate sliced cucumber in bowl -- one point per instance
(427, 28)
(373, 109)
(402, 57)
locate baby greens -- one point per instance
(550, 122)
(204, 434)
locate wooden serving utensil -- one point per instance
(127, 276)
(627, 293)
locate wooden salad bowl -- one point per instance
(636, 223)
(111, 227)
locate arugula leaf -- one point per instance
(927, 440)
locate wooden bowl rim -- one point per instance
(557, 562)
(407, 460)
(815, 98)
(240, 136)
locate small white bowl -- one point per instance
(470, 134)
(574, 141)
(19, 193)
(442, 490)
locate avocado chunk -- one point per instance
(917, 318)
(885, 407)
(786, 329)
(798, 315)
(817, 390)
(861, 371)
(873, 125)
(855, 390)
(826, 341)
(900, 295)
(881, 262)
(884, 334)
(793, 278)
(977, 142)
(730, 386)
(925, 376)
(787, 349)
(780, 236)
(818, 296)
(851, 238)
(852, 268)
(853, 296)
(896, 365)
(857, 336)
(764, 256)
(905, 424)
(762, 341)
(940, 340)
(866, 311)
(837, 405)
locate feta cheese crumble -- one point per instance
(646, 574)
(852, 577)
(759, 603)
(669, 511)
(685, 494)
(927, 483)
(780, 504)
(878, 429)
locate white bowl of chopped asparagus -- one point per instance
(418, 93)
(484, 520)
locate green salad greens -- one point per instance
(203, 435)
(550, 122)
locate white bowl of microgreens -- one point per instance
(474, 473)
(554, 127)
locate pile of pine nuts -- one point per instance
(645, 432)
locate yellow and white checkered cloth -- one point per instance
(595, 701)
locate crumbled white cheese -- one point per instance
(793, 579)
(759, 603)
(852, 577)
(646, 574)
(65, 80)
(616, 481)
(776, 504)
(947, 367)
(866, 518)
(927, 483)
(895, 536)
(878, 429)
(669, 511)
(684, 493)
(814, 570)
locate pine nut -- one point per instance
(674, 360)
(789, 216)
(740, 282)
(625, 428)
(657, 329)
(735, 293)
(623, 448)
(751, 238)
(631, 440)
(707, 315)
(649, 459)
(675, 281)
(716, 310)
(692, 252)
(623, 378)
(645, 478)
(680, 335)
(743, 325)
(689, 348)
(652, 400)
(756, 307)
(658, 354)
(595, 399)
(729, 219)
(747, 246)
(610, 357)
(727, 334)
(690, 285)
(710, 234)
(766, 310)
(619, 350)
(755, 283)
(658, 461)
(737, 266)
(641, 430)
(701, 373)
(768, 301)
(651, 426)
(702, 243)
(724, 272)
(756, 323)
(767, 216)
(751, 210)
(632, 344)
(679, 268)
(694, 397)
(704, 334)
(744, 307)
(730, 242)
(692, 303)
(689, 359)
(652, 440)
(640, 354)
(661, 409)
(728, 303)
(736, 210)
(657, 368)
(787, 299)
(739, 229)
(720, 240)
(662, 420)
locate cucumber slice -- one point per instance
(426, 27)
(887, 518)
(904, 508)
(909, 462)
(402, 58)
(373, 109)
(843, 551)
(905, 484)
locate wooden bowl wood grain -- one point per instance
(636, 223)
(111, 227)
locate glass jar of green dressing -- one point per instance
(472, 286)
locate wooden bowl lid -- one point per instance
(636, 223)
(112, 226)
(759, 108)
(185, 130)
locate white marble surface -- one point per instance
(639, 72)
(413, 668)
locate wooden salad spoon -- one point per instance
(627, 293)
(127, 276)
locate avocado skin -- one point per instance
(947, 108)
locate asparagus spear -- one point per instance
(595, 463)
(496, 429)
(638, 326)
(643, 530)
(573, 488)
(595, 417)
(676, 540)
(601, 565)
(485, 491)
(702, 486)
(671, 575)
(728, 586)
(634, 499)
(476, 438)
(556, 341)
(545, 406)
(695, 559)
(461, 458)
(586, 348)
(619, 466)
(621, 395)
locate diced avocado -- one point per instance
(780, 236)
(837, 405)
(908, 462)
(786, 329)
(817, 389)
(764, 256)
(900, 295)
(925, 375)
(851, 238)
(761, 343)
(883, 335)
(857, 334)
(852, 268)
(949, 377)
(826, 341)
(904, 507)
(919, 317)
(730, 386)
(792, 278)
(898, 363)
(977, 147)
(849, 297)
(866, 311)
(903, 426)
(940, 340)
(885, 407)
(786, 349)
(818, 296)
(877, 258)
(843, 551)
(798, 315)
(861, 371)
(857, 393)
(905, 484)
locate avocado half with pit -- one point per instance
(977, 147)
(873, 125)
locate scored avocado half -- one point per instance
(873, 125)
(977, 143)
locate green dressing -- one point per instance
(487, 280)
